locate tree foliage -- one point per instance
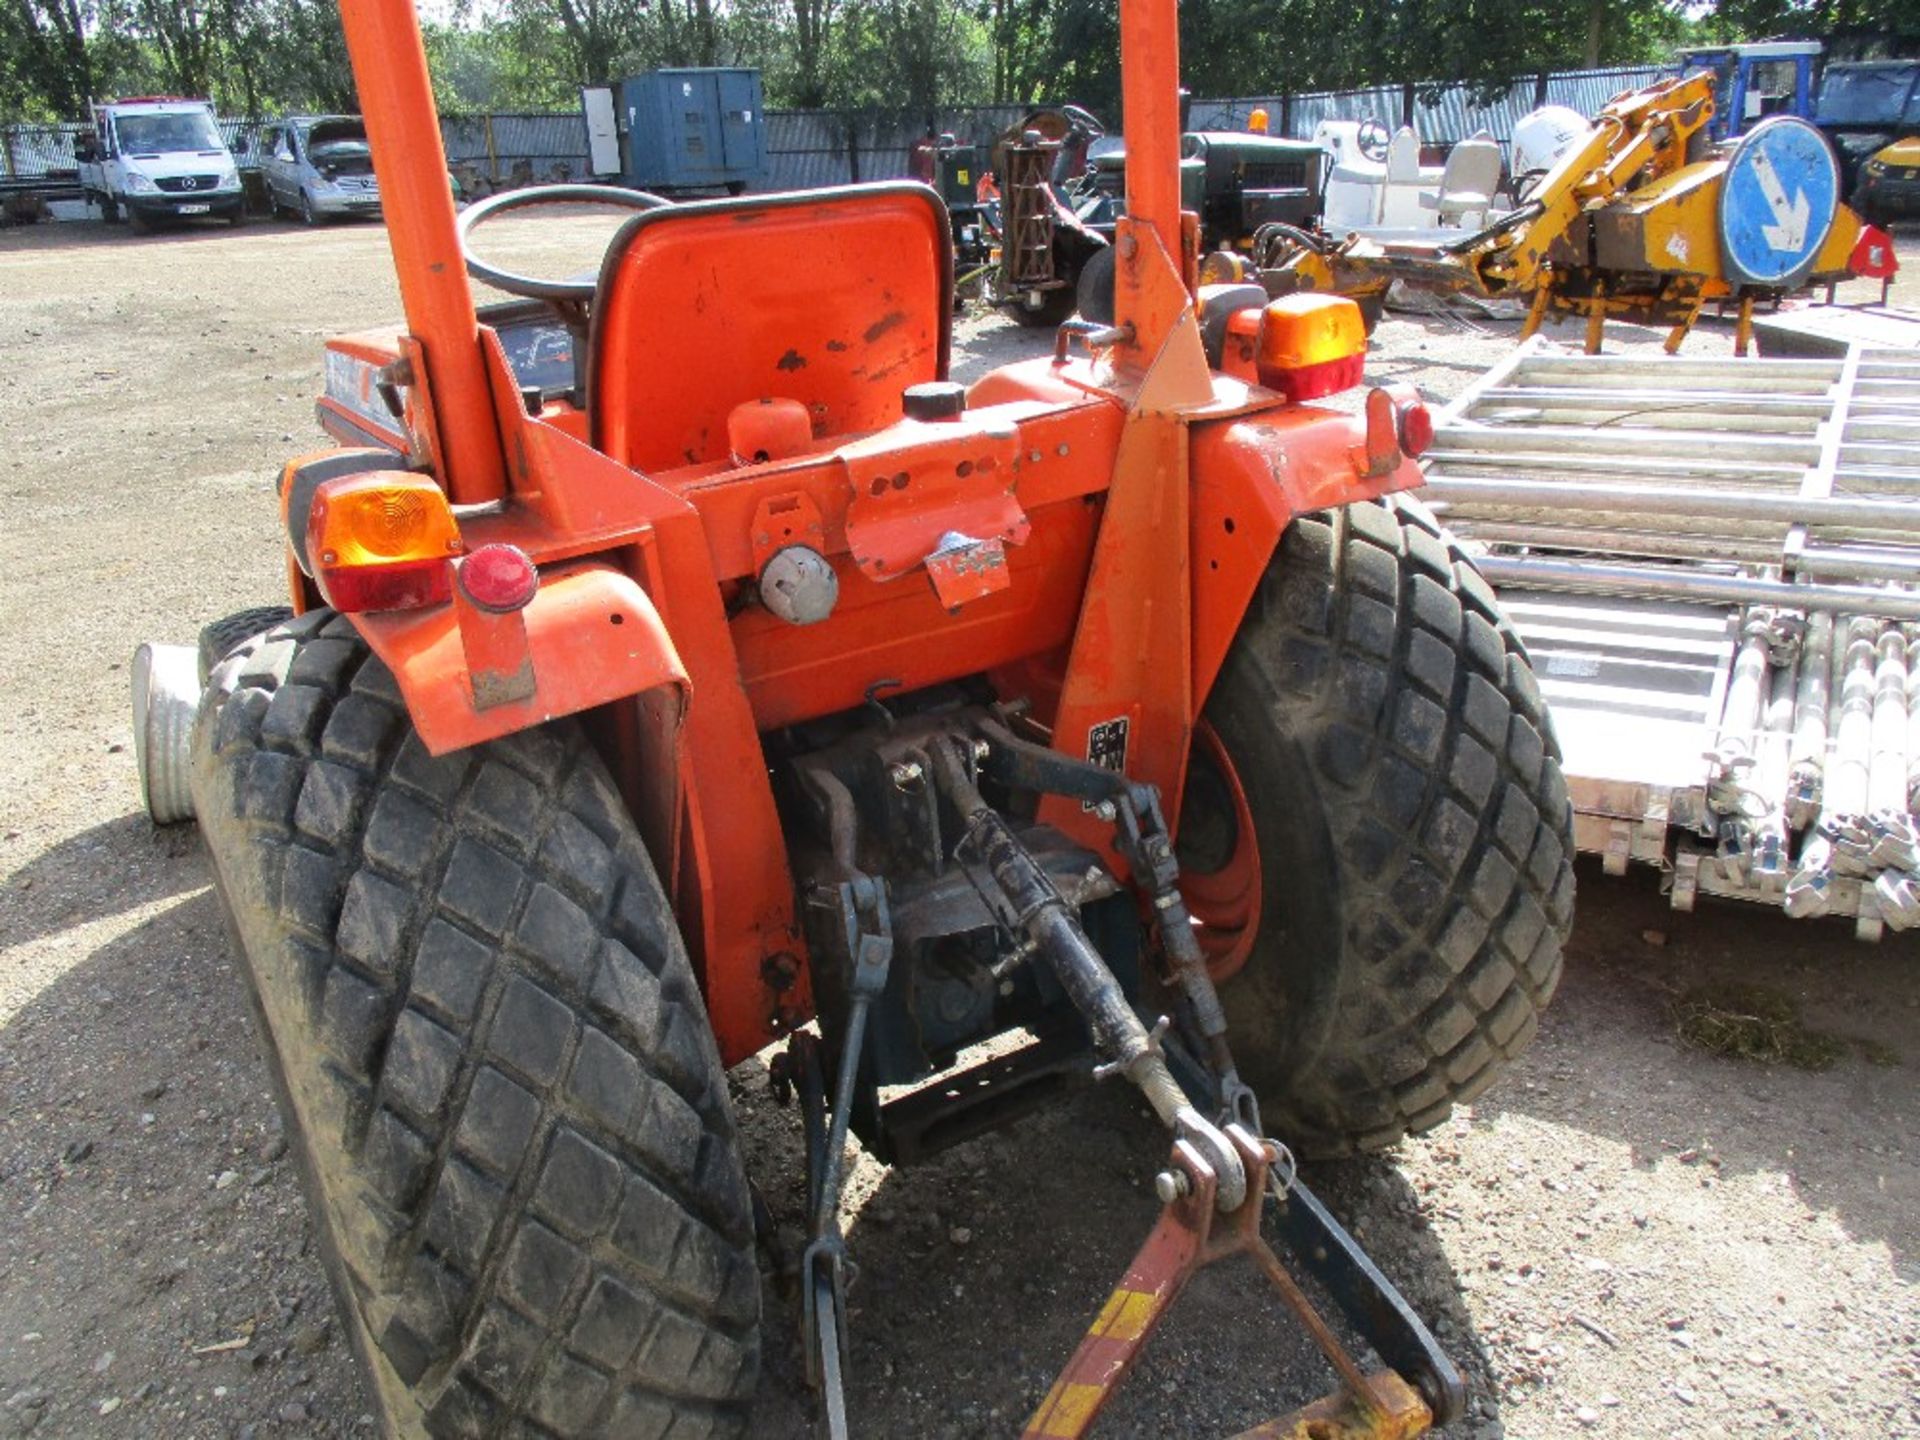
(267, 56)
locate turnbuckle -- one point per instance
(1017, 890)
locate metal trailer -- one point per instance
(1716, 567)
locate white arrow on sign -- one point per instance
(1788, 233)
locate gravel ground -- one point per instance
(1626, 1237)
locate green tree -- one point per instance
(46, 68)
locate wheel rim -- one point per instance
(1219, 856)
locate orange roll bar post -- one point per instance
(403, 127)
(1150, 93)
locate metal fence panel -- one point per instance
(506, 144)
(1589, 90)
(32, 151)
(808, 148)
(1451, 115)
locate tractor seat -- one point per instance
(1467, 183)
(838, 299)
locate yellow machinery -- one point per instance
(1642, 219)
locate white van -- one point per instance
(156, 158)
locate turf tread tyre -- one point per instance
(1055, 308)
(222, 637)
(1411, 935)
(509, 1107)
(1093, 294)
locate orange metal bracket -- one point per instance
(914, 486)
(734, 892)
(1189, 1236)
(499, 660)
(1130, 671)
(783, 520)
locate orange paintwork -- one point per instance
(567, 628)
(698, 314)
(1135, 497)
(396, 97)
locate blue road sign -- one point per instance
(1777, 203)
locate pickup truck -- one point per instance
(158, 158)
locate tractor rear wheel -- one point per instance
(1094, 293)
(490, 1052)
(1055, 306)
(1376, 835)
(220, 638)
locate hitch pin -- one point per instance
(1021, 953)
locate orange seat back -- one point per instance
(835, 298)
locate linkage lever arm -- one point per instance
(1016, 887)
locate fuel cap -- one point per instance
(934, 400)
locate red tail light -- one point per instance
(381, 541)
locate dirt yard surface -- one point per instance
(1627, 1237)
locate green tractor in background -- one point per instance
(1065, 181)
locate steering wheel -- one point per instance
(1373, 139)
(558, 293)
(1083, 121)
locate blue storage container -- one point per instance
(694, 130)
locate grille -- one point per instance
(1275, 175)
(181, 184)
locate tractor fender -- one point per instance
(1250, 476)
(590, 636)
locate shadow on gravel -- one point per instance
(116, 866)
(980, 1270)
(145, 1208)
(1844, 1138)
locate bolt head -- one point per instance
(1171, 1185)
(905, 773)
(1105, 810)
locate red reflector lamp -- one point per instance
(1416, 429)
(382, 541)
(499, 578)
(1873, 257)
(1311, 346)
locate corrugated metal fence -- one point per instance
(1448, 116)
(831, 147)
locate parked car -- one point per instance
(158, 158)
(1864, 107)
(1889, 187)
(319, 167)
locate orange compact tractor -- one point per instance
(651, 697)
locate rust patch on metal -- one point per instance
(502, 687)
(893, 319)
(792, 360)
